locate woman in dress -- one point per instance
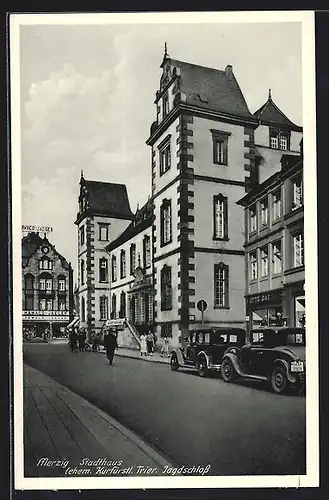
(143, 345)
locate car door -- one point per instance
(189, 351)
(258, 353)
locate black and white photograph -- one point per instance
(164, 230)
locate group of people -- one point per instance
(77, 339)
(147, 344)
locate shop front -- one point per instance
(45, 324)
(295, 303)
(265, 309)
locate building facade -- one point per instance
(104, 213)
(47, 288)
(275, 273)
(207, 150)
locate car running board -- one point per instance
(253, 377)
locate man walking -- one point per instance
(110, 344)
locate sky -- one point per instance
(87, 102)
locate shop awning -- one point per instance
(73, 323)
(115, 322)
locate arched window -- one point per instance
(45, 282)
(122, 312)
(114, 306)
(103, 270)
(29, 281)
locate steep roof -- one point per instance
(212, 88)
(270, 113)
(107, 197)
(31, 242)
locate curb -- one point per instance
(143, 359)
(159, 459)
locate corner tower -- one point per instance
(103, 213)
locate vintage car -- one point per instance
(274, 355)
(204, 349)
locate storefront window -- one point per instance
(271, 316)
(300, 311)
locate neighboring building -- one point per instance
(207, 149)
(47, 288)
(104, 213)
(275, 273)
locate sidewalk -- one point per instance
(62, 427)
(134, 353)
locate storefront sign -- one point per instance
(265, 297)
(37, 229)
(46, 316)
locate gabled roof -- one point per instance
(31, 242)
(211, 88)
(269, 113)
(107, 197)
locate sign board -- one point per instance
(46, 316)
(37, 229)
(202, 305)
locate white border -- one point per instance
(311, 479)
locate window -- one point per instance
(166, 288)
(103, 232)
(257, 337)
(276, 206)
(276, 257)
(264, 212)
(298, 250)
(253, 265)
(82, 271)
(62, 303)
(29, 282)
(220, 147)
(221, 286)
(132, 258)
(252, 219)
(122, 312)
(42, 284)
(103, 270)
(114, 306)
(83, 310)
(45, 264)
(29, 303)
(49, 304)
(279, 140)
(165, 158)
(122, 264)
(165, 105)
(82, 235)
(103, 308)
(264, 261)
(146, 252)
(220, 217)
(49, 284)
(166, 330)
(165, 217)
(42, 304)
(297, 193)
(61, 284)
(114, 268)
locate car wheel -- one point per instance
(202, 367)
(228, 371)
(174, 363)
(279, 380)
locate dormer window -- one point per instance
(279, 140)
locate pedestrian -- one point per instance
(93, 341)
(165, 347)
(82, 339)
(143, 345)
(110, 344)
(150, 343)
(73, 340)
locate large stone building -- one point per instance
(47, 288)
(275, 273)
(207, 149)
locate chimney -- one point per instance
(229, 72)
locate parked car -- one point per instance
(204, 349)
(274, 355)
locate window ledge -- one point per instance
(165, 244)
(226, 238)
(222, 307)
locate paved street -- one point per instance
(236, 428)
